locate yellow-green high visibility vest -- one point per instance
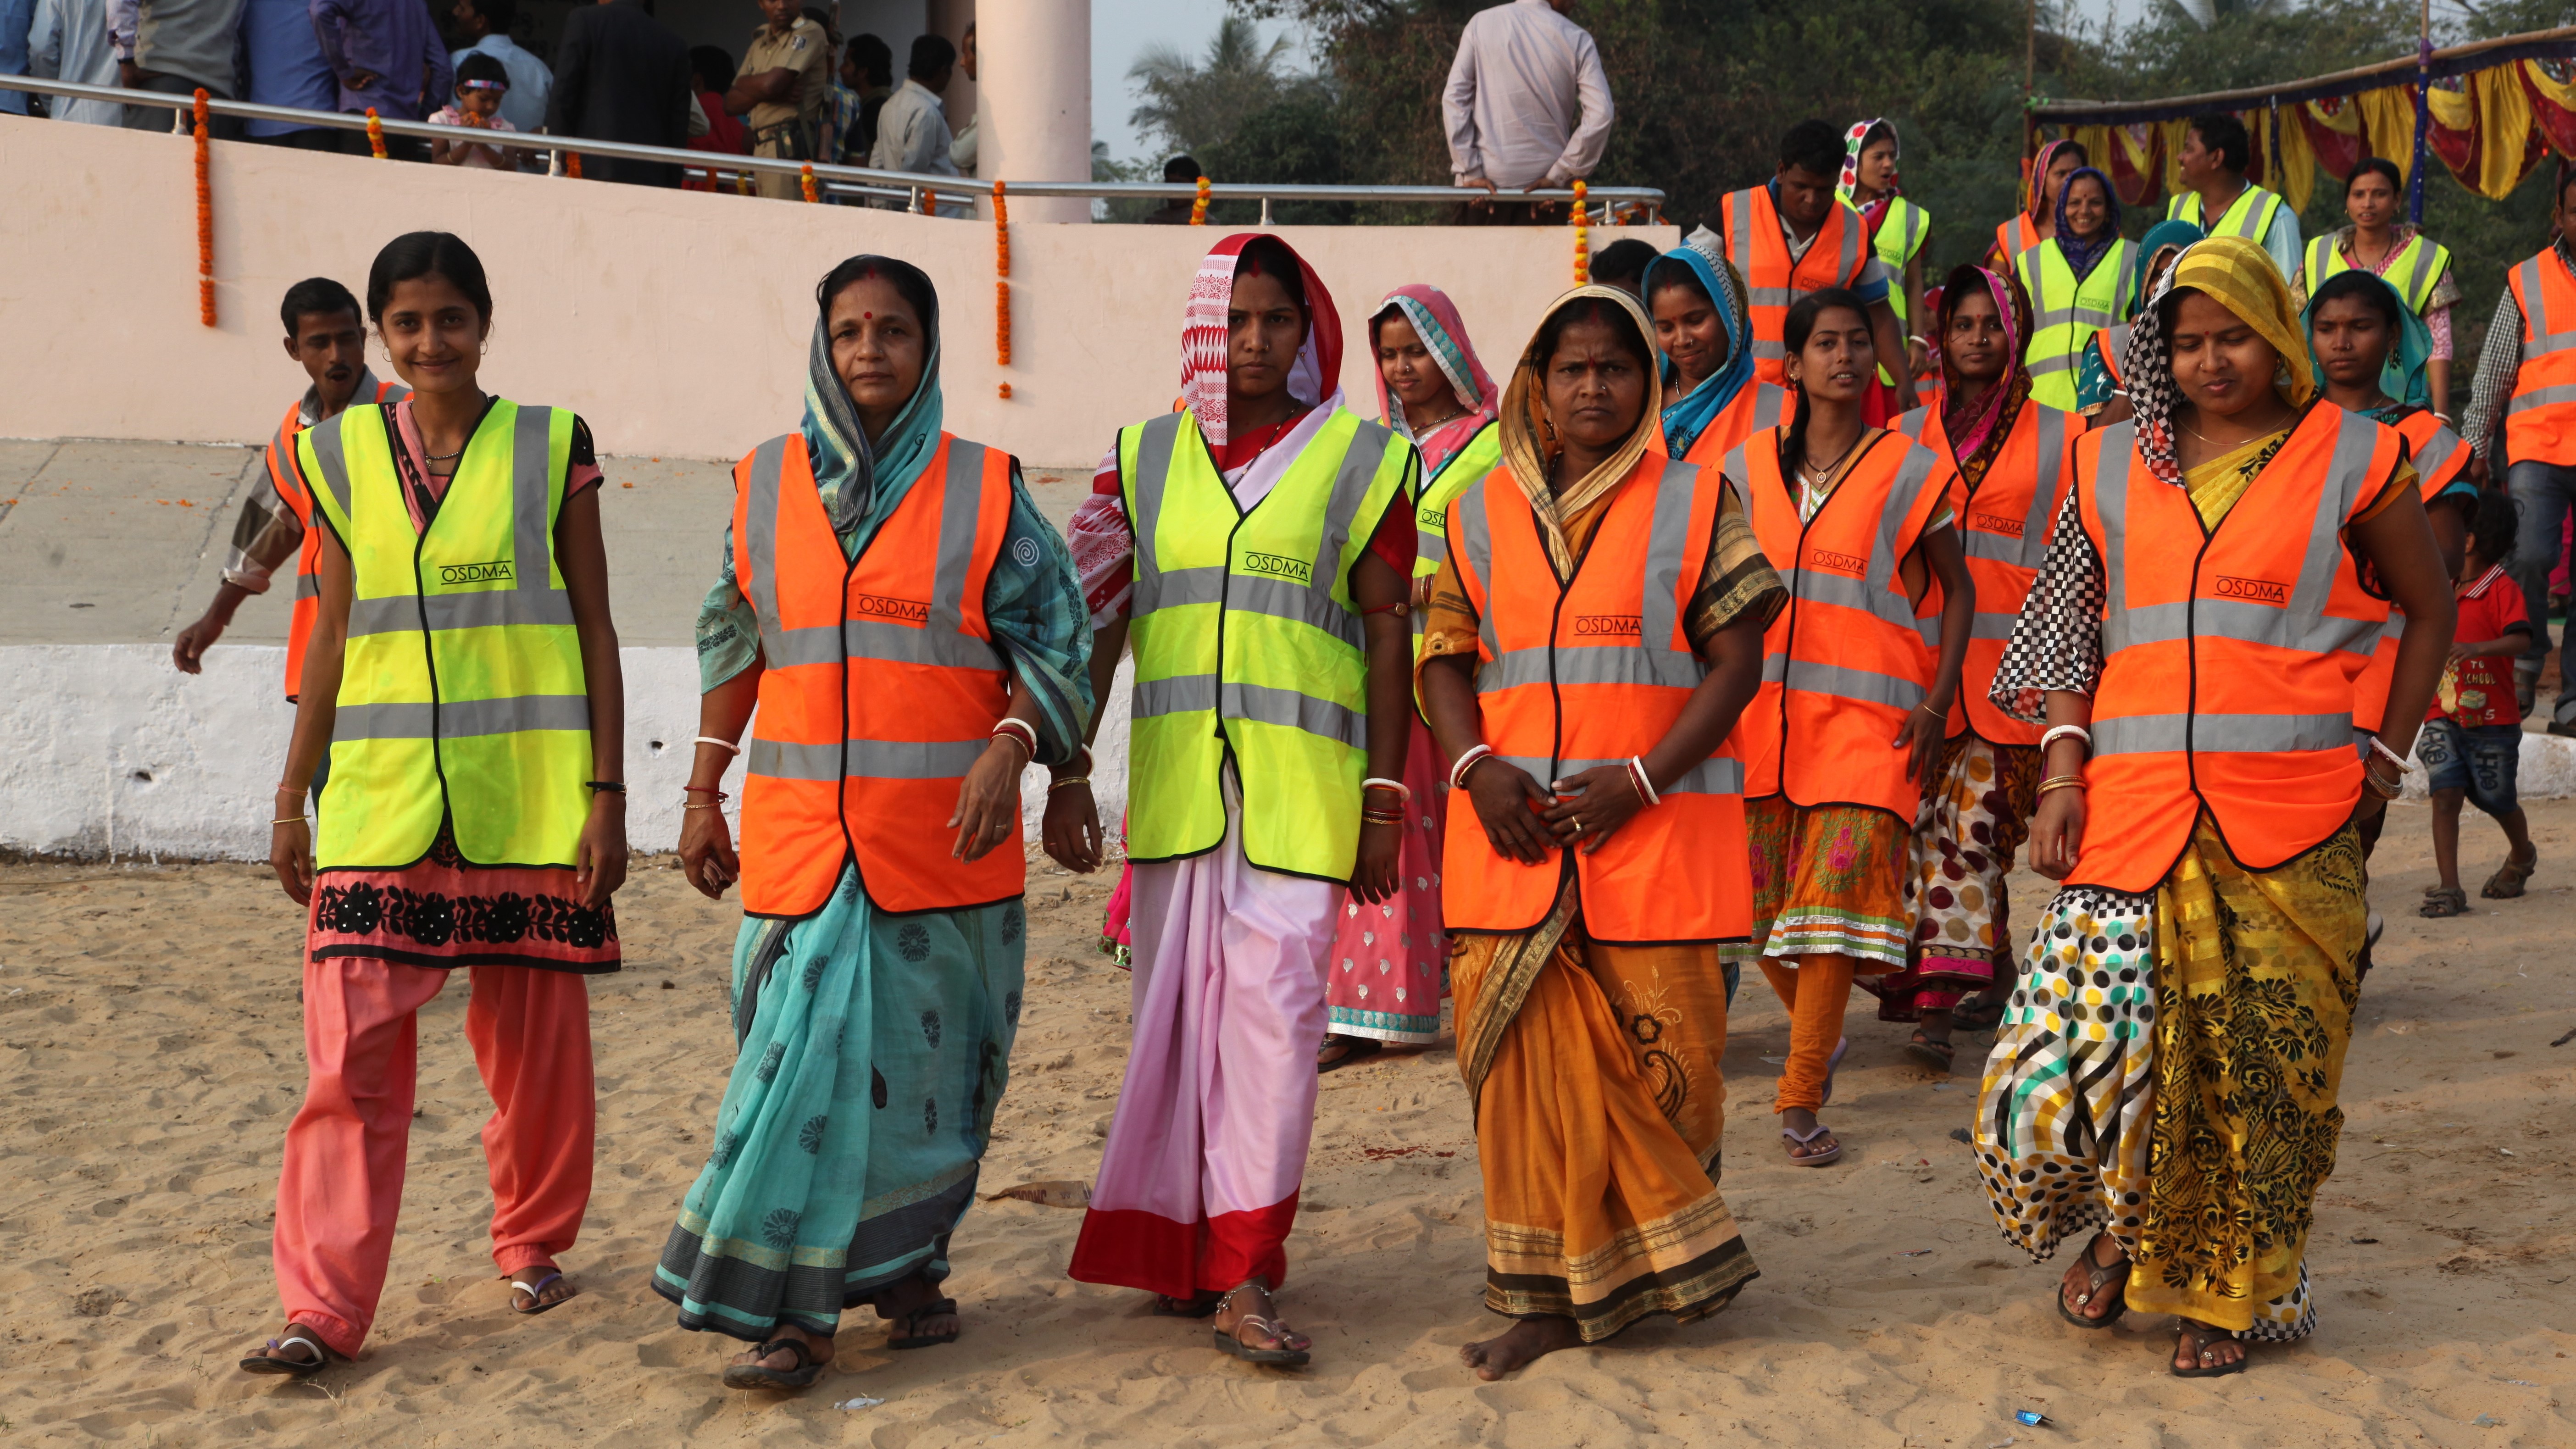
(1482, 455)
(1900, 236)
(2066, 313)
(2249, 215)
(461, 689)
(1248, 644)
(2414, 271)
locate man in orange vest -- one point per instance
(325, 335)
(1793, 235)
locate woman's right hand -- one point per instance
(706, 852)
(290, 854)
(1070, 829)
(2057, 833)
(1508, 802)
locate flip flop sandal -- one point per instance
(537, 1295)
(267, 1362)
(1277, 1331)
(1819, 1159)
(2444, 903)
(1937, 1055)
(2096, 1278)
(1354, 1049)
(2506, 883)
(754, 1376)
(1841, 1045)
(915, 1338)
(2201, 1339)
(1200, 1306)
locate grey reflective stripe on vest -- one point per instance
(1841, 681)
(1154, 444)
(1847, 265)
(939, 640)
(1912, 424)
(1872, 594)
(761, 544)
(2028, 550)
(1260, 704)
(331, 456)
(2438, 452)
(309, 586)
(2416, 268)
(532, 543)
(2303, 624)
(2221, 734)
(1475, 535)
(1768, 401)
(2541, 397)
(2047, 365)
(1716, 775)
(2259, 205)
(490, 608)
(866, 759)
(1739, 248)
(1646, 659)
(461, 719)
(1915, 225)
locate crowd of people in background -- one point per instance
(800, 91)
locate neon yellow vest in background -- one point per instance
(461, 690)
(2065, 313)
(1248, 644)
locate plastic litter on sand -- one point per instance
(858, 1403)
(2031, 1418)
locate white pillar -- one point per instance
(1034, 99)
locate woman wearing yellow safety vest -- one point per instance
(2374, 196)
(1390, 960)
(2078, 282)
(1897, 228)
(1268, 534)
(462, 672)
(899, 626)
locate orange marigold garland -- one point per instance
(1198, 208)
(572, 166)
(375, 134)
(807, 176)
(205, 222)
(1002, 280)
(1582, 238)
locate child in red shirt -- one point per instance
(2472, 741)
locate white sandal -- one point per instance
(1276, 1330)
(1819, 1159)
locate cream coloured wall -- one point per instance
(675, 322)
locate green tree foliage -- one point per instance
(1194, 105)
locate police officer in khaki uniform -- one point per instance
(781, 90)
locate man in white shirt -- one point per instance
(912, 130)
(1527, 106)
(487, 23)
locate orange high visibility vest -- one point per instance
(1844, 663)
(2014, 237)
(2229, 656)
(289, 483)
(1756, 405)
(2114, 344)
(2540, 421)
(2003, 530)
(1590, 672)
(2438, 454)
(881, 687)
(1755, 243)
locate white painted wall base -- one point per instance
(106, 749)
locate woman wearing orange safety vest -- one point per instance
(2170, 1064)
(1593, 634)
(2523, 402)
(1712, 400)
(327, 336)
(901, 629)
(2014, 457)
(1841, 744)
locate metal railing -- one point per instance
(838, 179)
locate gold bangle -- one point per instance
(2062, 783)
(1056, 785)
(2075, 779)
(288, 820)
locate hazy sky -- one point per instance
(1121, 30)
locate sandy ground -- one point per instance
(149, 1054)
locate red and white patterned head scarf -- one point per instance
(1316, 375)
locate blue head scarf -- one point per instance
(2163, 236)
(861, 485)
(2082, 255)
(1687, 417)
(2402, 375)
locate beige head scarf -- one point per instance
(1530, 445)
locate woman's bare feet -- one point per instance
(1525, 1343)
(1247, 1317)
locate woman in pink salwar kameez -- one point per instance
(1277, 524)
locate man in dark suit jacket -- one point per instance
(621, 75)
